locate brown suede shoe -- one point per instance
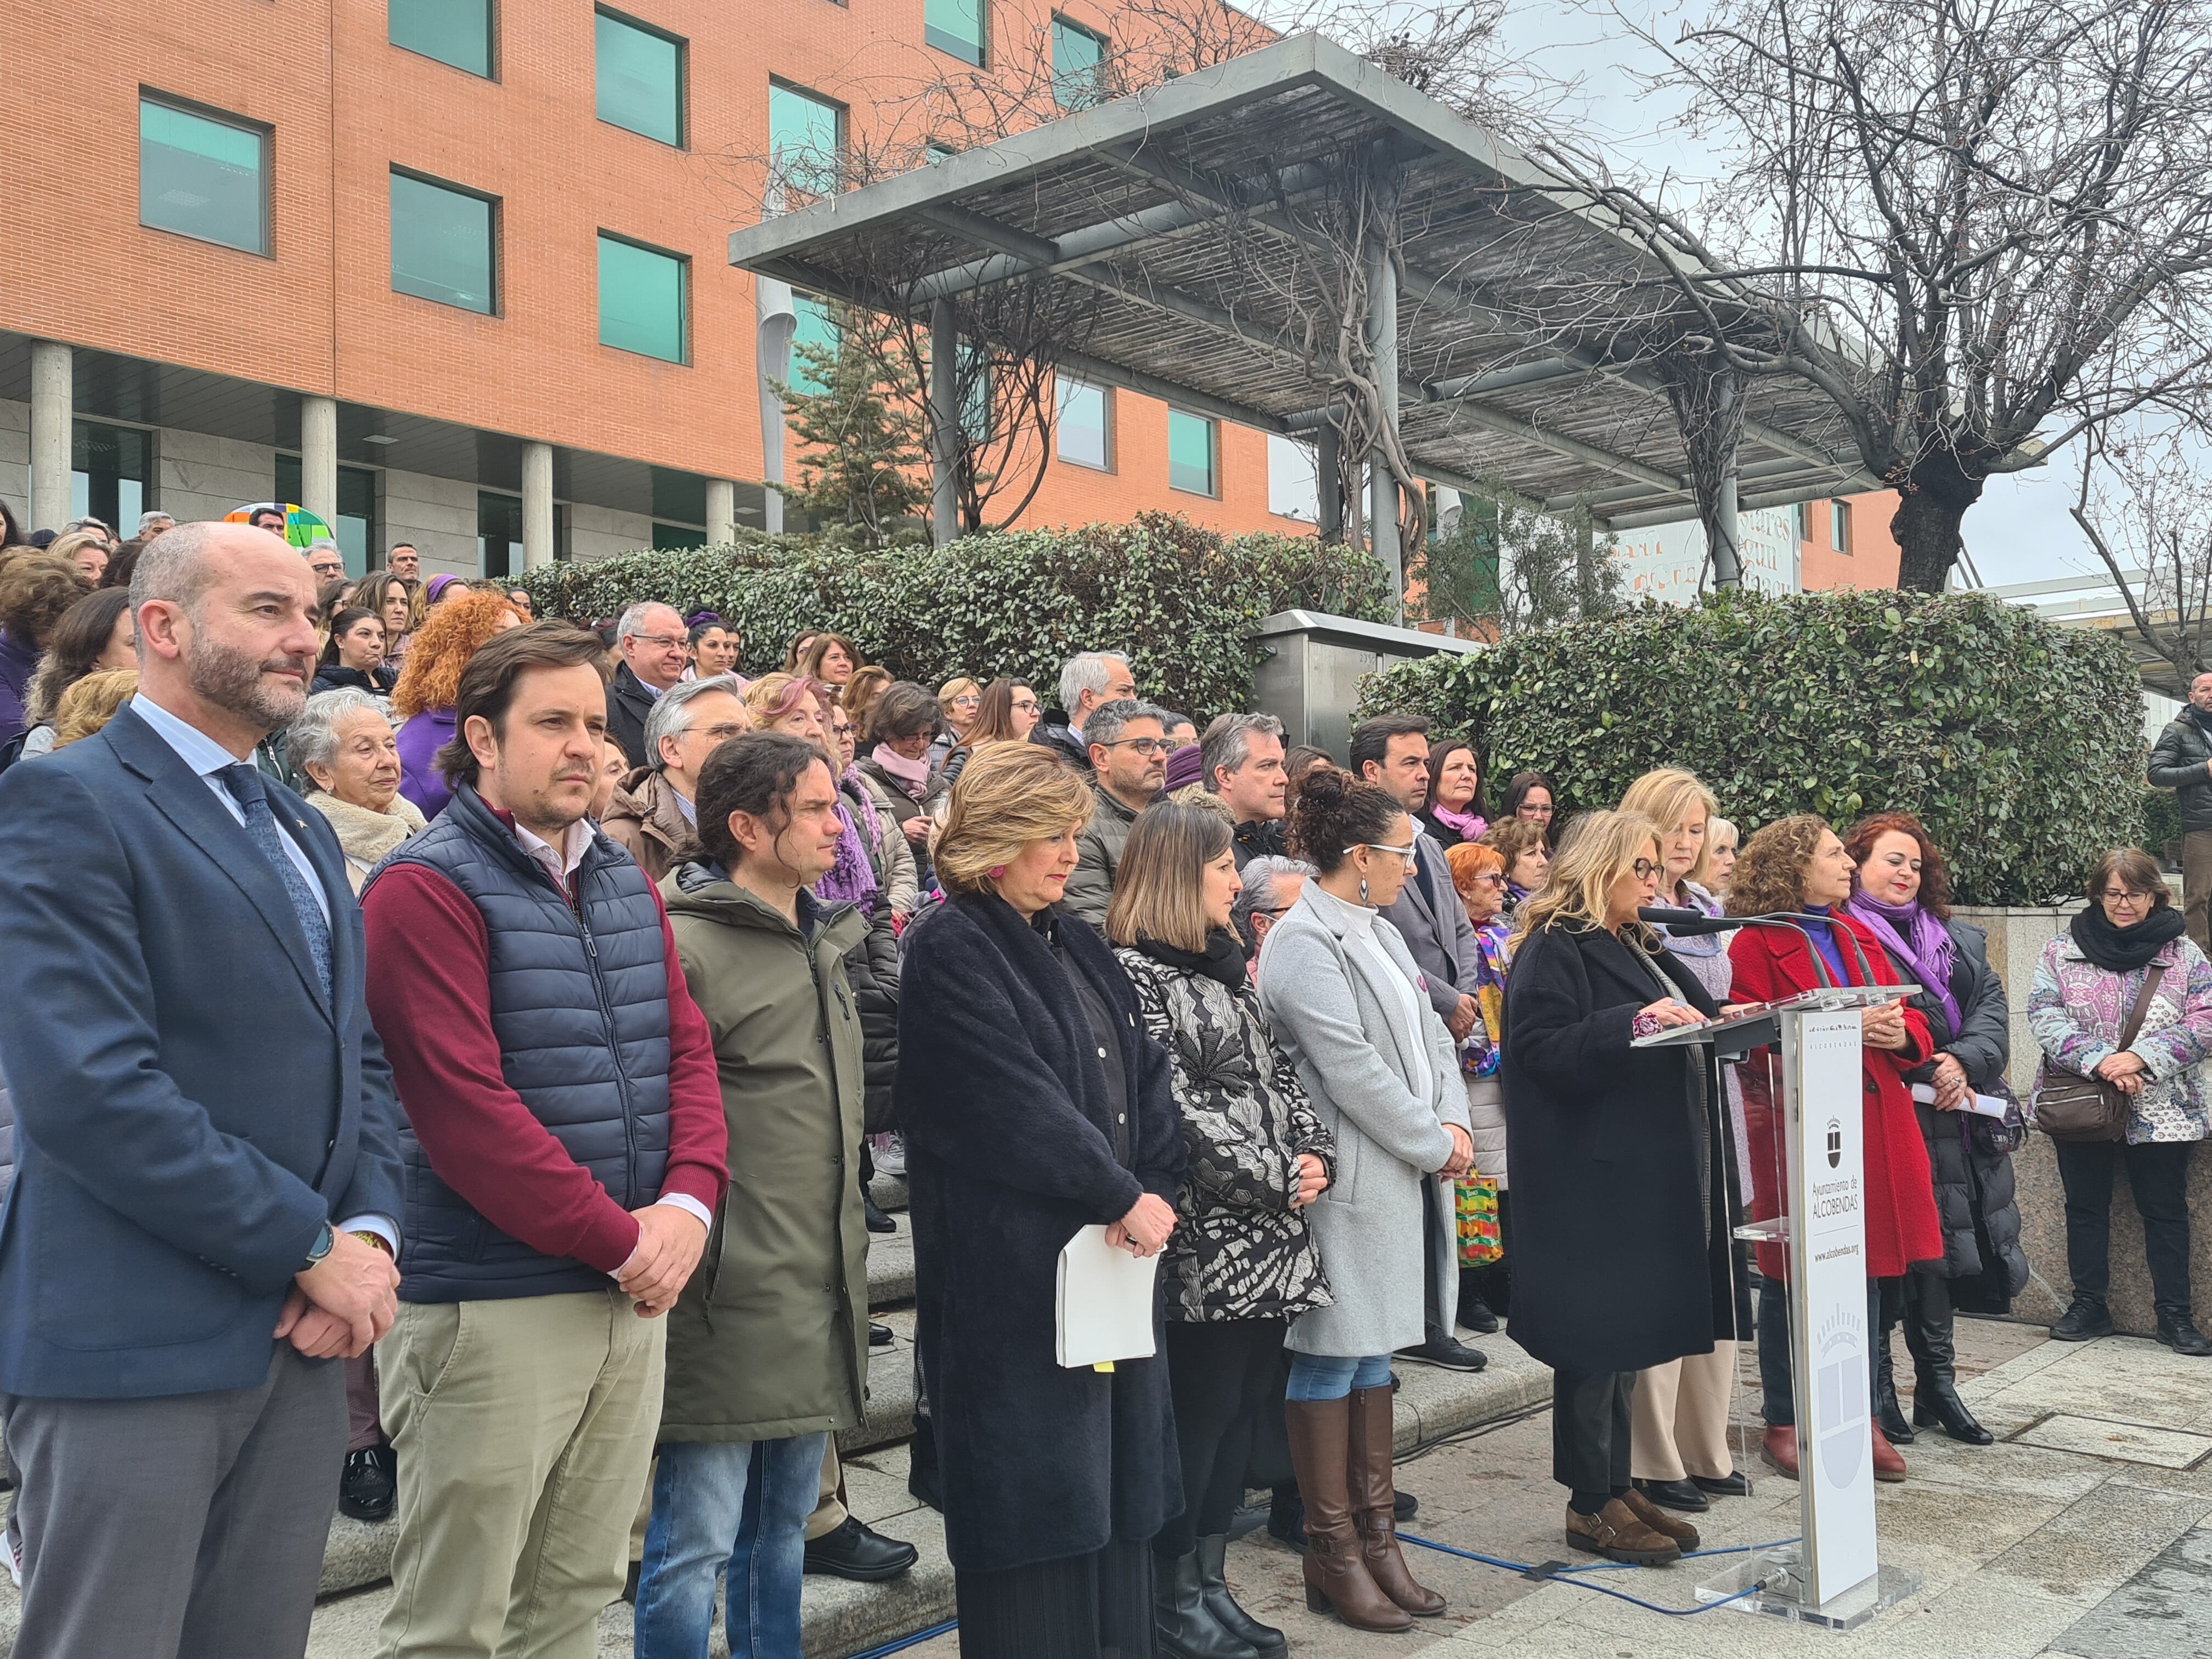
(1615, 1533)
(1658, 1520)
(1778, 1450)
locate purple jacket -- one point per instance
(420, 739)
(18, 662)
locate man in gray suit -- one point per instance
(1392, 752)
(204, 1209)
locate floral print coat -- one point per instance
(2076, 1010)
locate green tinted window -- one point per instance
(814, 328)
(955, 26)
(456, 32)
(1078, 65)
(1190, 452)
(668, 537)
(639, 78)
(1081, 420)
(442, 245)
(641, 300)
(805, 135)
(202, 177)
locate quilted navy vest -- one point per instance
(580, 1005)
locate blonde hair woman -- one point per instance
(958, 701)
(87, 706)
(1033, 1104)
(1622, 1201)
(1680, 1411)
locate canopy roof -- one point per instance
(1529, 331)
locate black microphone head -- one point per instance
(1687, 922)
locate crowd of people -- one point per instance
(517, 1011)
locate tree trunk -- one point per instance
(1929, 513)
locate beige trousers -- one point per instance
(1679, 1418)
(523, 1428)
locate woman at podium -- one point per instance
(1797, 868)
(1623, 1189)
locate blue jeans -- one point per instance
(745, 1500)
(1319, 1377)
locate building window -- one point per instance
(805, 139)
(445, 244)
(357, 521)
(955, 26)
(1839, 524)
(813, 327)
(110, 467)
(1078, 65)
(1293, 479)
(1798, 518)
(1084, 422)
(639, 78)
(673, 537)
(203, 176)
(642, 299)
(456, 32)
(1193, 449)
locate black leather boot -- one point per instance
(1213, 1585)
(1935, 1387)
(1187, 1626)
(1888, 1415)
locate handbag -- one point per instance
(2089, 1107)
(1474, 1205)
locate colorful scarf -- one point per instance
(1916, 939)
(852, 878)
(912, 775)
(1480, 1054)
(1470, 825)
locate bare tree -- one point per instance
(2145, 503)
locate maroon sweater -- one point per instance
(429, 994)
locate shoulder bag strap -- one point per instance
(2134, 1026)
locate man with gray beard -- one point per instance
(208, 1171)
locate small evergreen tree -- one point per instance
(862, 463)
(1506, 567)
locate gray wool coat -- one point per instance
(1345, 1034)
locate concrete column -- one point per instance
(1382, 485)
(721, 511)
(1328, 481)
(1726, 533)
(537, 506)
(319, 458)
(53, 398)
(943, 423)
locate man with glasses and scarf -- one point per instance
(656, 652)
(1128, 745)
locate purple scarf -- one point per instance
(852, 878)
(1470, 825)
(1923, 943)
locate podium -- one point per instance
(1830, 1577)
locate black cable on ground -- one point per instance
(1558, 1573)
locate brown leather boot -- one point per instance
(1888, 1461)
(1778, 1447)
(1684, 1534)
(1374, 1504)
(1337, 1579)
(1615, 1533)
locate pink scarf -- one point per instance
(913, 774)
(1469, 825)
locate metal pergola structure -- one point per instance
(1520, 332)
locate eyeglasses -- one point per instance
(1027, 705)
(1646, 869)
(1491, 877)
(1145, 746)
(720, 734)
(664, 641)
(966, 702)
(2123, 896)
(1405, 852)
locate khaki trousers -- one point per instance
(1679, 1418)
(523, 1428)
(2196, 886)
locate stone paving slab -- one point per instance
(2128, 1443)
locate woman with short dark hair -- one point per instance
(354, 658)
(1532, 797)
(1242, 1264)
(1524, 846)
(1452, 811)
(2089, 982)
(831, 659)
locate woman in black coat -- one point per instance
(1623, 1199)
(1902, 893)
(1033, 1104)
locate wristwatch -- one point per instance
(321, 1248)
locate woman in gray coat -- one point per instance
(1346, 1005)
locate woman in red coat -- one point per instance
(1799, 864)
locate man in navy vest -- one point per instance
(207, 1167)
(564, 1152)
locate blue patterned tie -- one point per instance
(246, 788)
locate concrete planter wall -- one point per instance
(2016, 939)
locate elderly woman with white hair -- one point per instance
(343, 744)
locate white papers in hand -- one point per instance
(1989, 1105)
(1105, 1302)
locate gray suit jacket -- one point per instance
(1430, 918)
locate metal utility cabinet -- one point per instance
(1309, 676)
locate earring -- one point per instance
(1362, 889)
(996, 871)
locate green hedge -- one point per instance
(2019, 743)
(1180, 600)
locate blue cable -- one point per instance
(905, 1642)
(1525, 1570)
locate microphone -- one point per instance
(1690, 923)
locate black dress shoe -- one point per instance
(1735, 1484)
(1404, 1506)
(879, 1336)
(877, 1220)
(1683, 1495)
(369, 1484)
(853, 1552)
(1474, 1314)
(2086, 1320)
(2180, 1333)
(1286, 1516)
(1442, 1349)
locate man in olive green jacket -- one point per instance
(768, 1348)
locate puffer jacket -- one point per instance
(2076, 1010)
(891, 855)
(1241, 1252)
(2177, 762)
(1966, 1156)
(1098, 855)
(872, 966)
